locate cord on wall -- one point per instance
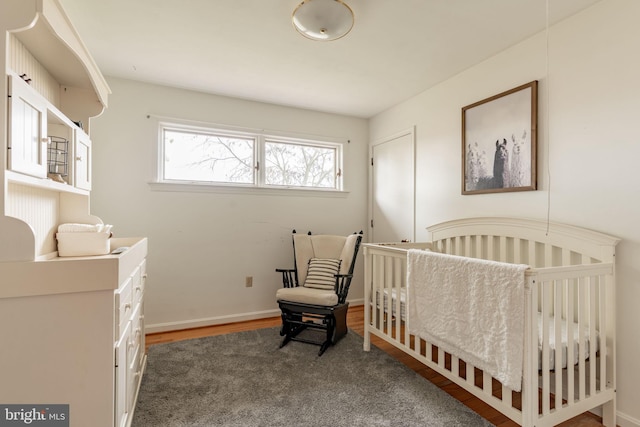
(547, 127)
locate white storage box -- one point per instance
(83, 244)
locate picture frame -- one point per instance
(499, 142)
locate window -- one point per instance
(208, 157)
(300, 165)
(196, 155)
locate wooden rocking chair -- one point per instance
(315, 290)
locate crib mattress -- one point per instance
(575, 342)
(552, 350)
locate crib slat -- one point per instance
(375, 291)
(545, 348)
(398, 291)
(471, 374)
(407, 335)
(467, 246)
(487, 383)
(490, 254)
(503, 249)
(517, 256)
(570, 317)
(388, 287)
(603, 334)
(566, 260)
(530, 370)
(368, 284)
(455, 366)
(592, 334)
(531, 257)
(557, 320)
(507, 396)
(581, 342)
(380, 293)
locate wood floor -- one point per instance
(356, 324)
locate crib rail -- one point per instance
(569, 304)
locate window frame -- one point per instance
(267, 138)
(261, 138)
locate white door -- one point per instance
(393, 188)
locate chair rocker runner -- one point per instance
(314, 292)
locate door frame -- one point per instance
(411, 132)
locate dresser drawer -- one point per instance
(121, 384)
(124, 308)
(136, 331)
(137, 286)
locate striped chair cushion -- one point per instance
(321, 273)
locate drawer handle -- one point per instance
(79, 158)
(127, 306)
(144, 276)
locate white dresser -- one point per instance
(73, 333)
(71, 328)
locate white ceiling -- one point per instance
(249, 48)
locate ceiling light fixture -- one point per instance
(323, 20)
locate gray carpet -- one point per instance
(244, 380)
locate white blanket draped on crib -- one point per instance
(470, 308)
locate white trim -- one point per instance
(198, 187)
(220, 320)
(209, 321)
(260, 138)
(624, 420)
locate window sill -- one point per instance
(191, 187)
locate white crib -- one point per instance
(571, 278)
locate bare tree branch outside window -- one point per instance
(299, 165)
(193, 155)
(203, 157)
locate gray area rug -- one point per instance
(244, 379)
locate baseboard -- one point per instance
(220, 320)
(623, 420)
(209, 321)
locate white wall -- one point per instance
(202, 245)
(588, 161)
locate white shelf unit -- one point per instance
(73, 327)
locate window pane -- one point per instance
(299, 165)
(194, 156)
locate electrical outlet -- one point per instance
(248, 281)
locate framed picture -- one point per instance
(499, 142)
